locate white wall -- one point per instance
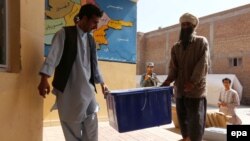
(214, 85)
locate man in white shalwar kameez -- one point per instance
(228, 101)
(73, 57)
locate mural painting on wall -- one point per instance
(116, 32)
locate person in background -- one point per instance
(188, 68)
(74, 60)
(149, 79)
(228, 101)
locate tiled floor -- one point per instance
(162, 133)
(107, 133)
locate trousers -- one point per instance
(191, 113)
(84, 131)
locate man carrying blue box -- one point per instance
(188, 69)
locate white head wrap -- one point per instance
(187, 17)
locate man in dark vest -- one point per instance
(73, 58)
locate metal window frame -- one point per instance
(232, 62)
(5, 66)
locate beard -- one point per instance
(185, 36)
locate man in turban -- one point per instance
(188, 68)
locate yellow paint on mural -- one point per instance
(101, 40)
(126, 23)
(59, 8)
(117, 24)
(69, 18)
(51, 26)
(101, 30)
(99, 35)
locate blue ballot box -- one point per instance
(139, 108)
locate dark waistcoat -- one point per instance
(63, 70)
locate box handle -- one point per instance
(145, 101)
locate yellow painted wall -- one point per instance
(21, 113)
(22, 110)
(116, 76)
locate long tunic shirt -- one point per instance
(190, 65)
(79, 92)
(231, 98)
